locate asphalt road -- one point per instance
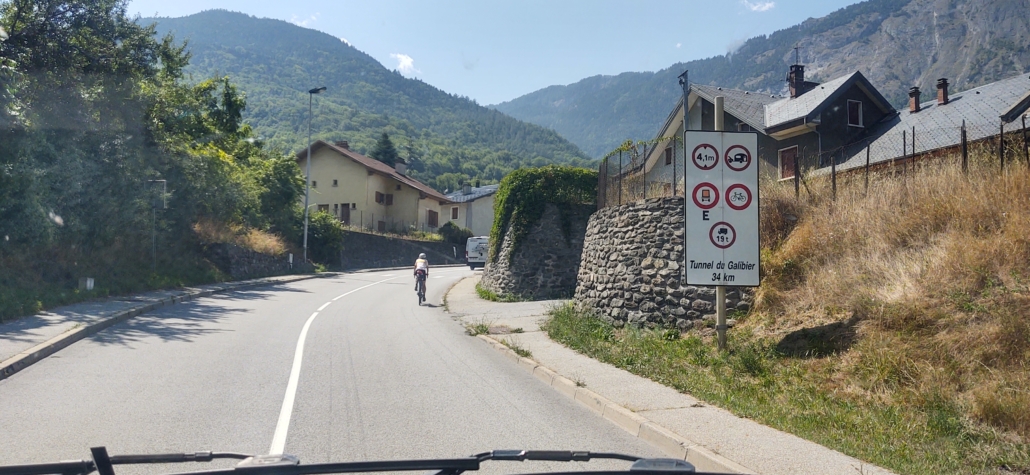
(376, 377)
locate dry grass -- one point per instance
(249, 238)
(931, 266)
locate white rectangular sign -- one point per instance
(721, 208)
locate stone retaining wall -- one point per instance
(631, 269)
(241, 263)
(370, 251)
(545, 265)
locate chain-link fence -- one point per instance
(636, 172)
(656, 169)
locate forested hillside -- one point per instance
(449, 138)
(895, 43)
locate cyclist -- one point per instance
(421, 265)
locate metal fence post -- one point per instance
(965, 150)
(1001, 143)
(833, 173)
(620, 177)
(867, 167)
(1026, 148)
(904, 152)
(675, 158)
(913, 159)
(797, 174)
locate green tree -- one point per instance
(384, 150)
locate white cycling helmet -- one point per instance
(422, 256)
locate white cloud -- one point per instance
(3, 34)
(305, 22)
(679, 44)
(758, 6)
(345, 41)
(405, 64)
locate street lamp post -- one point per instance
(307, 187)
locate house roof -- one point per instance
(745, 105)
(939, 126)
(477, 192)
(376, 166)
(804, 108)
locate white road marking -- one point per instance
(324, 305)
(281, 427)
(388, 275)
(438, 277)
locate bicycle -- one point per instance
(420, 279)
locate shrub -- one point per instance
(455, 234)
(325, 238)
(524, 193)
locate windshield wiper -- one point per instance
(104, 464)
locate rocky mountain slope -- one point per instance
(895, 43)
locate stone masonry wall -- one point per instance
(631, 269)
(370, 251)
(545, 265)
(242, 263)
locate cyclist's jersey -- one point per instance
(422, 264)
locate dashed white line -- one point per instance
(283, 426)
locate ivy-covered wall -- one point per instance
(546, 263)
(540, 217)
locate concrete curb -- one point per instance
(35, 354)
(641, 427)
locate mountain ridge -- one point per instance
(449, 138)
(895, 43)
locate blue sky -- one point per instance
(493, 50)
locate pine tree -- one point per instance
(384, 151)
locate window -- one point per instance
(398, 187)
(380, 197)
(323, 208)
(336, 183)
(432, 218)
(314, 184)
(788, 159)
(336, 209)
(742, 127)
(454, 212)
(855, 113)
(389, 200)
(668, 156)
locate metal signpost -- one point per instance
(721, 206)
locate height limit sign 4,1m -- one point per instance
(722, 208)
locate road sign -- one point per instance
(722, 216)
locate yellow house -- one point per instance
(365, 192)
(472, 208)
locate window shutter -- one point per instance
(389, 200)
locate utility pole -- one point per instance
(307, 187)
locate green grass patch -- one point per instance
(798, 396)
(516, 345)
(487, 294)
(482, 327)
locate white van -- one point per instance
(476, 251)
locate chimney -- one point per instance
(942, 91)
(913, 99)
(343, 144)
(796, 80)
(466, 188)
(400, 165)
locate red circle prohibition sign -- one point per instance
(705, 201)
(730, 193)
(714, 156)
(712, 234)
(738, 158)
